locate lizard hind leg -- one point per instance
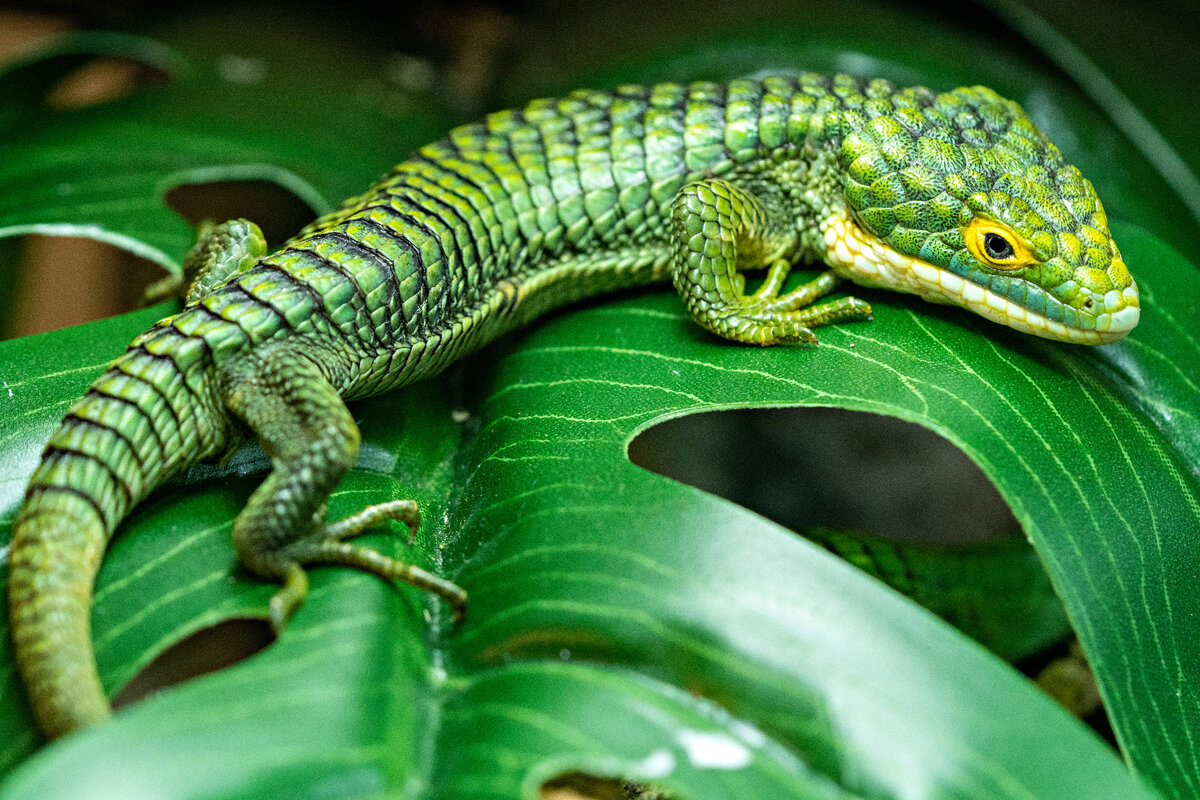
(308, 432)
(221, 251)
(719, 228)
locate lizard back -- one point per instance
(522, 212)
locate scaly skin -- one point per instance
(956, 197)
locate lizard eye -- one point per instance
(997, 247)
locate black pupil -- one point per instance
(997, 247)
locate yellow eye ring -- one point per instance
(997, 245)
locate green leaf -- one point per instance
(626, 625)
(595, 585)
(996, 592)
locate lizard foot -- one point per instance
(768, 317)
(720, 229)
(330, 547)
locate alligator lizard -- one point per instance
(956, 197)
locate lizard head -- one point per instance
(960, 198)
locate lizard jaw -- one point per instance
(865, 259)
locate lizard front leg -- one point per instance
(718, 229)
(284, 397)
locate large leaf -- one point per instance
(595, 586)
(626, 625)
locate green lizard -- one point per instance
(956, 197)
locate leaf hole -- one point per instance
(205, 651)
(103, 79)
(24, 27)
(280, 212)
(46, 61)
(888, 496)
(832, 468)
(582, 786)
(68, 280)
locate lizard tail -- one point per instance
(150, 415)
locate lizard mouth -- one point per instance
(867, 260)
